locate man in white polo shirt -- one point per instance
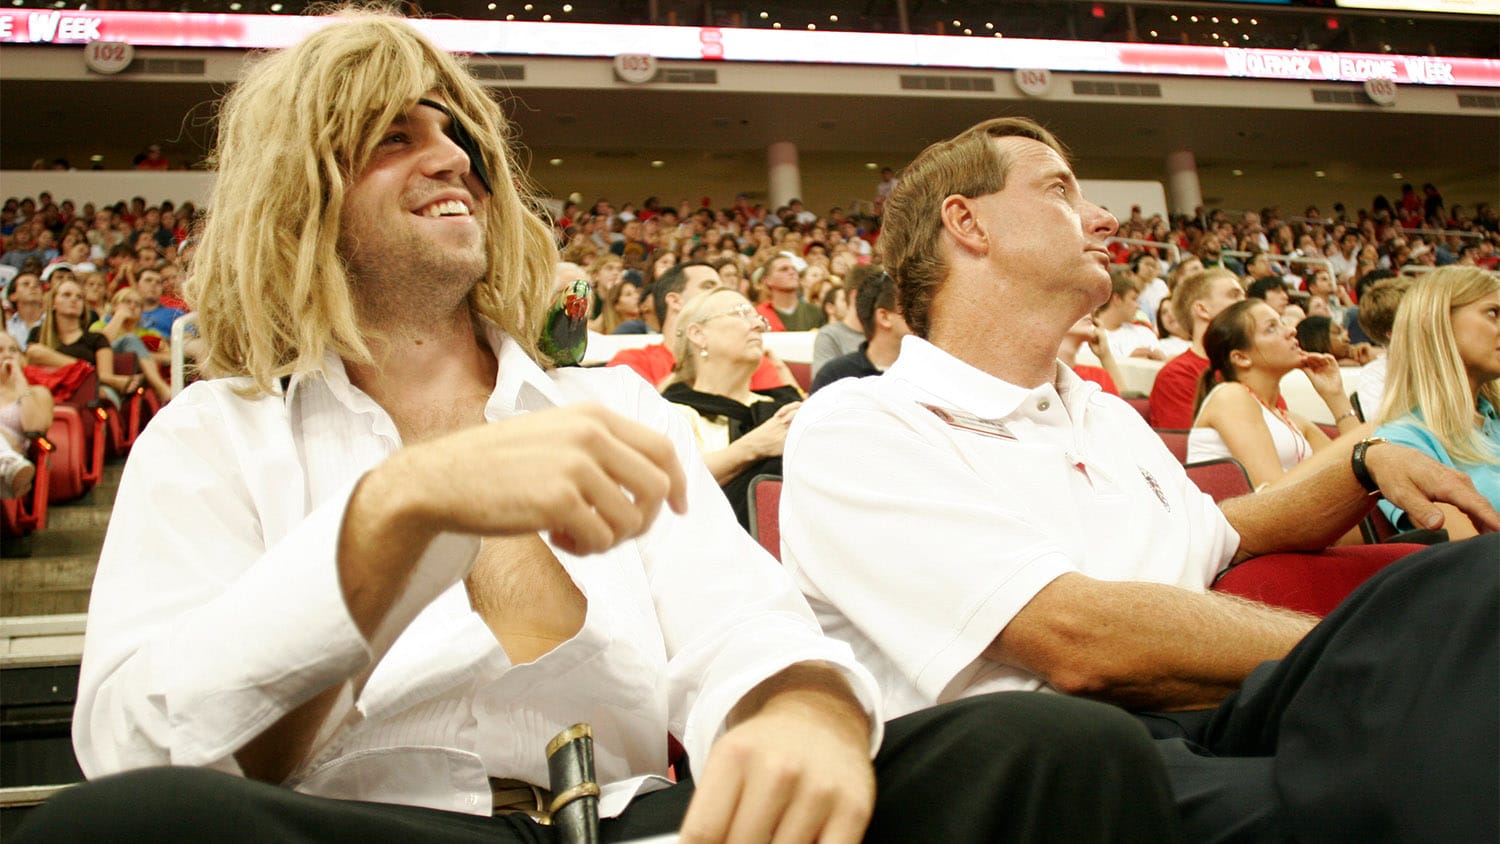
(1002, 525)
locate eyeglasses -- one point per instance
(746, 312)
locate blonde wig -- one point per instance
(272, 293)
(701, 308)
(1426, 371)
(969, 165)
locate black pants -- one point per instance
(1383, 724)
(1009, 767)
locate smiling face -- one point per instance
(414, 218)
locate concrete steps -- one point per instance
(52, 571)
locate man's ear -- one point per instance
(674, 302)
(961, 221)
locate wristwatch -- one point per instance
(1358, 467)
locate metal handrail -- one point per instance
(1154, 244)
(179, 354)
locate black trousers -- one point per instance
(1383, 724)
(1016, 767)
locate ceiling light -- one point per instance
(1234, 20)
(1397, 176)
(96, 158)
(833, 18)
(510, 17)
(764, 15)
(1319, 174)
(1153, 33)
(989, 25)
(776, 25)
(968, 31)
(1215, 20)
(1238, 172)
(1174, 19)
(956, 23)
(658, 163)
(556, 162)
(812, 26)
(546, 17)
(1194, 18)
(1254, 22)
(870, 165)
(275, 7)
(567, 8)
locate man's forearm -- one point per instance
(1309, 509)
(1144, 645)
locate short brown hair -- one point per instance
(1194, 289)
(968, 165)
(1377, 307)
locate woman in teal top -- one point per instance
(1443, 385)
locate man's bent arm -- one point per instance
(1144, 645)
(1321, 499)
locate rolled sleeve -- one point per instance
(730, 616)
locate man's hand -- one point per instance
(795, 769)
(768, 439)
(585, 475)
(1414, 482)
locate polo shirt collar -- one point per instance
(956, 384)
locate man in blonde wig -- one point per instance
(403, 552)
(1074, 555)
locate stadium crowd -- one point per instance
(332, 602)
(802, 271)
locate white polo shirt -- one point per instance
(924, 508)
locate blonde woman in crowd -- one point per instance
(121, 327)
(1441, 389)
(63, 337)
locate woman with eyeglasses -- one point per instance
(741, 432)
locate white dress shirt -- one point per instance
(917, 538)
(217, 609)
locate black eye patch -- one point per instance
(460, 135)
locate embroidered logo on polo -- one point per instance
(1156, 488)
(969, 422)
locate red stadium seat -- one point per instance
(1310, 583)
(1142, 405)
(69, 457)
(802, 372)
(765, 512)
(1222, 479)
(20, 516)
